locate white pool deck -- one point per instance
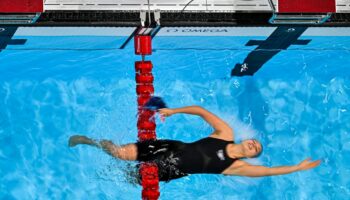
(172, 31)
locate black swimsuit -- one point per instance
(176, 159)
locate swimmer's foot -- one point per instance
(80, 139)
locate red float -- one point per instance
(144, 67)
(146, 135)
(143, 44)
(151, 182)
(144, 78)
(144, 89)
(142, 99)
(146, 117)
(152, 169)
(146, 125)
(150, 194)
(146, 113)
(149, 174)
(147, 138)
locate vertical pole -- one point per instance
(149, 14)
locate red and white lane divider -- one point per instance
(146, 122)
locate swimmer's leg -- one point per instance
(124, 152)
(80, 139)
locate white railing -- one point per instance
(173, 5)
(343, 6)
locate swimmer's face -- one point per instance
(251, 148)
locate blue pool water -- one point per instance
(52, 87)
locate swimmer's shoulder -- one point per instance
(223, 136)
(234, 168)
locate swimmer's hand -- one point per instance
(166, 112)
(308, 164)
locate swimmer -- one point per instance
(215, 154)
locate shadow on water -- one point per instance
(6, 34)
(252, 107)
(280, 39)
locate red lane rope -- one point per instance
(146, 122)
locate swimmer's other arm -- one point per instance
(258, 171)
(217, 123)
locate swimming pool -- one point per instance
(60, 81)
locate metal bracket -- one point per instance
(143, 17)
(299, 19)
(157, 16)
(19, 18)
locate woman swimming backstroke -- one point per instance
(215, 154)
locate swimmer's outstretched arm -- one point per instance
(257, 171)
(217, 123)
